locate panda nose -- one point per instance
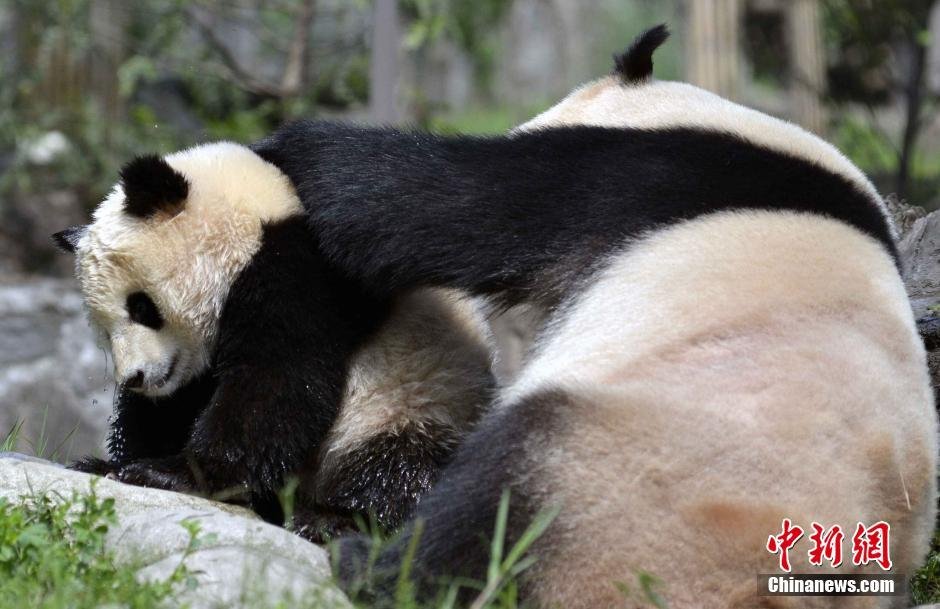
(136, 381)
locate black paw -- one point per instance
(321, 525)
(96, 466)
(170, 474)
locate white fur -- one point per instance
(609, 102)
(429, 364)
(726, 373)
(185, 262)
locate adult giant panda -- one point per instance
(729, 342)
(202, 278)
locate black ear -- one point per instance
(636, 63)
(67, 240)
(151, 185)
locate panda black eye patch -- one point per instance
(143, 311)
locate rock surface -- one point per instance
(919, 249)
(242, 562)
(53, 377)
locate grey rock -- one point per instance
(241, 562)
(904, 215)
(53, 376)
(920, 253)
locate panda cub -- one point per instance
(728, 344)
(202, 277)
(410, 392)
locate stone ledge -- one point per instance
(243, 562)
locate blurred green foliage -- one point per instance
(863, 40)
(45, 84)
(48, 87)
(58, 43)
(469, 23)
(872, 78)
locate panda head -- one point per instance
(156, 262)
(631, 98)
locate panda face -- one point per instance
(156, 263)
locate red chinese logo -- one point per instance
(782, 543)
(871, 545)
(826, 545)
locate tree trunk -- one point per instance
(109, 22)
(384, 67)
(804, 43)
(712, 56)
(297, 67)
(914, 100)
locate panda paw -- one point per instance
(169, 474)
(96, 466)
(320, 525)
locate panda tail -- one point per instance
(636, 63)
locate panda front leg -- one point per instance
(377, 480)
(259, 424)
(149, 428)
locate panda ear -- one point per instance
(636, 63)
(67, 240)
(151, 185)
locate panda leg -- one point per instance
(149, 428)
(380, 479)
(456, 520)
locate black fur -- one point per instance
(286, 333)
(636, 63)
(524, 217)
(384, 478)
(67, 240)
(142, 310)
(151, 185)
(459, 514)
(148, 428)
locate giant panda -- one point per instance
(202, 278)
(728, 345)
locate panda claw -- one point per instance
(320, 526)
(95, 466)
(161, 474)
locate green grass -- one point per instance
(53, 556)
(499, 591)
(925, 585)
(38, 447)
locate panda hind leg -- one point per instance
(455, 522)
(377, 483)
